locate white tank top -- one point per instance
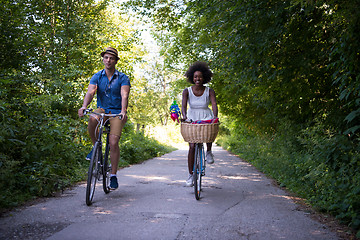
(199, 106)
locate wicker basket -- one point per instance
(199, 133)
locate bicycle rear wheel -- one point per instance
(197, 170)
(93, 173)
(106, 168)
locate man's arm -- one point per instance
(87, 99)
(125, 90)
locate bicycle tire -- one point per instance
(197, 171)
(106, 168)
(201, 167)
(92, 174)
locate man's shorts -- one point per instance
(116, 125)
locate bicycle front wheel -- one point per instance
(197, 171)
(93, 173)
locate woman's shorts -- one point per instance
(116, 125)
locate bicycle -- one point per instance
(199, 168)
(100, 165)
(199, 134)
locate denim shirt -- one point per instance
(109, 93)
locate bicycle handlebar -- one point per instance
(91, 111)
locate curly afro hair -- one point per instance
(203, 68)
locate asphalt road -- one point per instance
(152, 202)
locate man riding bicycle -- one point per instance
(112, 88)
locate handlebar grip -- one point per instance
(87, 110)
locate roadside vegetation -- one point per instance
(319, 167)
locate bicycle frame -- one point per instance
(202, 157)
(99, 163)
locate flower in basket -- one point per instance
(214, 120)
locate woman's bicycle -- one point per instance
(199, 134)
(100, 166)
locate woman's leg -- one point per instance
(191, 156)
(209, 155)
(208, 147)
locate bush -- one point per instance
(38, 156)
(136, 147)
(316, 163)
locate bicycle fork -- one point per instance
(202, 161)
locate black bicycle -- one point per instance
(100, 166)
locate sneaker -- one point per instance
(189, 182)
(209, 157)
(88, 157)
(113, 183)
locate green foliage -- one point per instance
(318, 164)
(38, 156)
(135, 147)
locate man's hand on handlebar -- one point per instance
(123, 116)
(81, 111)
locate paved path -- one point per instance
(152, 202)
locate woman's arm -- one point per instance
(213, 102)
(185, 96)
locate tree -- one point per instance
(152, 99)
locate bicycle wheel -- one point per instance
(106, 168)
(93, 173)
(197, 171)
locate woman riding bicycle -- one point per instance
(198, 97)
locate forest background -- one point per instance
(286, 76)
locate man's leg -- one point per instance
(93, 122)
(116, 126)
(114, 152)
(91, 128)
(92, 132)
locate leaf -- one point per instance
(17, 141)
(352, 130)
(352, 115)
